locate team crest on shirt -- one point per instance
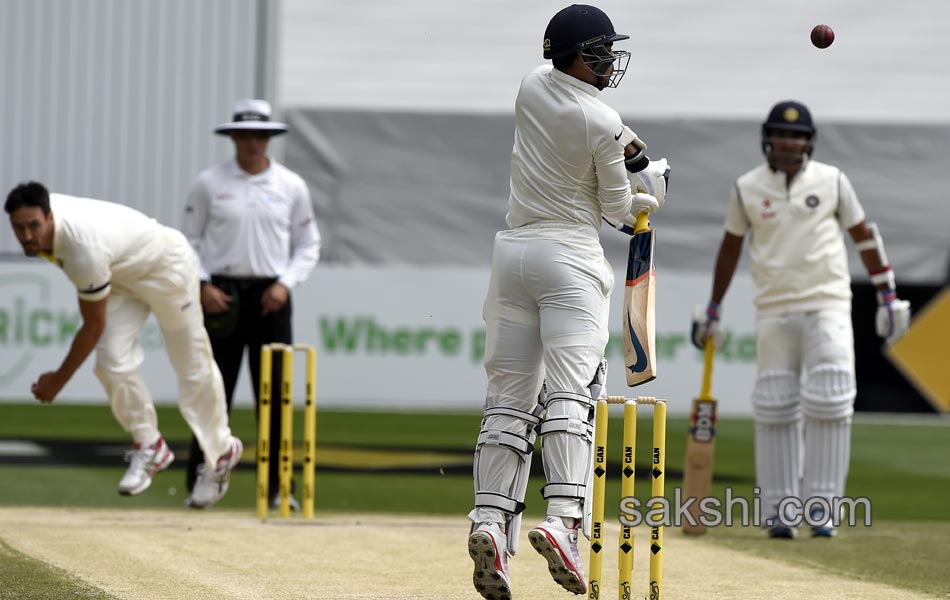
(767, 212)
(812, 201)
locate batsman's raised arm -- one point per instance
(648, 180)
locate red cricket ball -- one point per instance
(822, 36)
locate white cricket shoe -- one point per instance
(144, 462)
(558, 544)
(212, 484)
(487, 545)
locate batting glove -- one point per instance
(706, 325)
(653, 180)
(893, 316)
(641, 203)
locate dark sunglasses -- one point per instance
(251, 134)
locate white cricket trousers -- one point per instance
(169, 290)
(546, 320)
(803, 401)
(546, 312)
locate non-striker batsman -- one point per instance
(547, 302)
(794, 210)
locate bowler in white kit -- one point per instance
(126, 266)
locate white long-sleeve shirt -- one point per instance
(567, 163)
(101, 244)
(797, 254)
(245, 225)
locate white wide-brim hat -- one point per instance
(253, 115)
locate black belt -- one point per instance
(244, 283)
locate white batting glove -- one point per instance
(706, 325)
(642, 202)
(893, 317)
(653, 180)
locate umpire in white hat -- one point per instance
(251, 116)
(251, 221)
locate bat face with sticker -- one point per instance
(639, 307)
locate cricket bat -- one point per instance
(700, 444)
(639, 306)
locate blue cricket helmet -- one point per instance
(576, 28)
(789, 115)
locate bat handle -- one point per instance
(643, 222)
(707, 371)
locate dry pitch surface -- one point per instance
(165, 555)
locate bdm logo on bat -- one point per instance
(704, 427)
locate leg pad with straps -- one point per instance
(503, 455)
(567, 437)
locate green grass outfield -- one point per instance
(414, 463)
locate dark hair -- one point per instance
(563, 63)
(31, 193)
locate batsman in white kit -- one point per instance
(125, 266)
(794, 210)
(547, 303)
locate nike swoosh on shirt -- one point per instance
(641, 364)
(617, 137)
